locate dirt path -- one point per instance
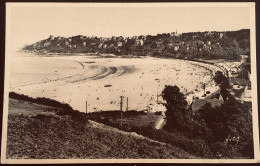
(159, 124)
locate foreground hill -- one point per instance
(39, 131)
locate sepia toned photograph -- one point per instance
(130, 82)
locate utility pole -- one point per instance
(157, 103)
(127, 104)
(86, 107)
(121, 109)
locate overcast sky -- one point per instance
(30, 24)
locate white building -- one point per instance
(139, 42)
(119, 44)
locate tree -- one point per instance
(230, 120)
(244, 44)
(223, 83)
(153, 45)
(176, 106)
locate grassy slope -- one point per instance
(35, 131)
(144, 124)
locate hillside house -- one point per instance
(208, 33)
(104, 39)
(69, 46)
(70, 39)
(187, 46)
(221, 35)
(141, 37)
(139, 42)
(51, 37)
(66, 43)
(93, 43)
(59, 38)
(160, 107)
(113, 38)
(104, 45)
(244, 70)
(134, 37)
(176, 47)
(172, 34)
(111, 45)
(118, 50)
(207, 46)
(81, 37)
(120, 38)
(247, 94)
(100, 45)
(170, 45)
(119, 44)
(74, 46)
(243, 58)
(46, 44)
(84, 43)
(194, 37)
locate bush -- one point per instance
(158, 113)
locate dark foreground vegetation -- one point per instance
(37, 131)
(221, 132)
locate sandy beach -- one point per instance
(101, 81)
